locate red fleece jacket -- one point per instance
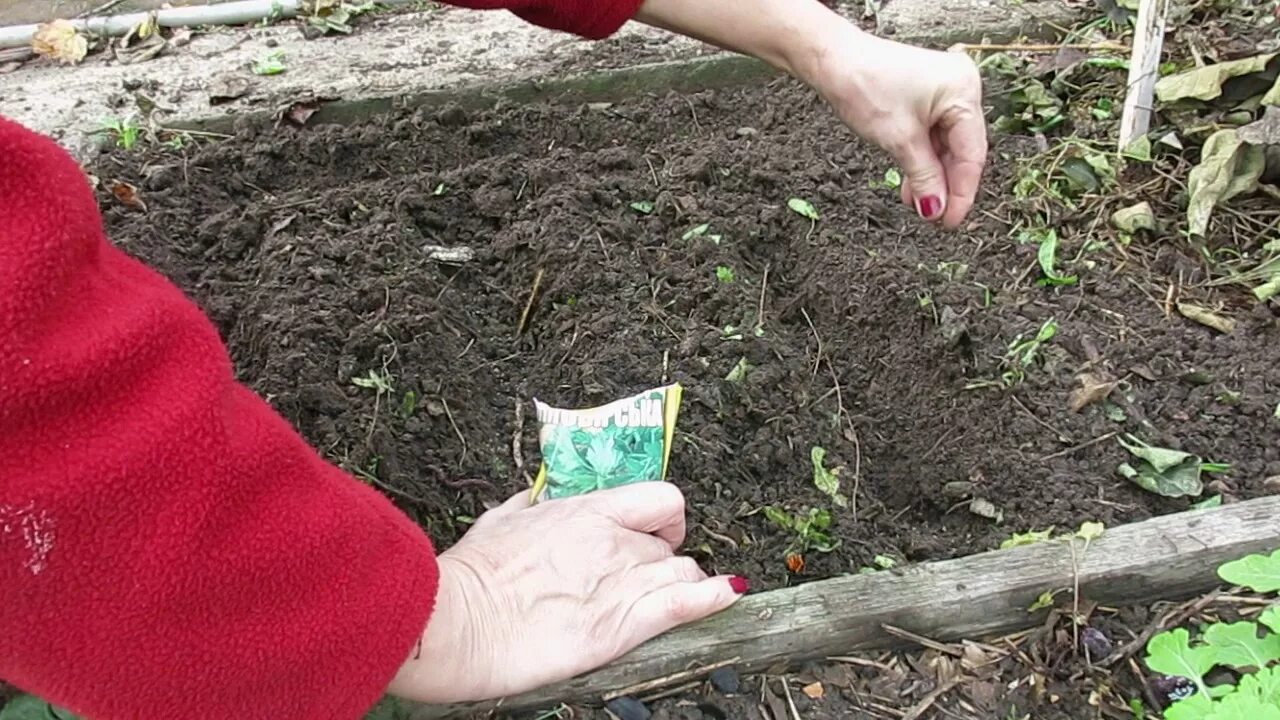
(169, 546)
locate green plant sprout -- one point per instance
(1250, 648)
(379, 381)
(805, 209)
(125, 132)
(700, 231)
(271, 63)
(810, 530)
(827, 480)
(1047, 240)
(724, 274)
(644, 207)
(892, 180)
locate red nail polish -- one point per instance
(739, 584)
(930, 206)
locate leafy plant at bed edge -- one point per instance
(1251, 648)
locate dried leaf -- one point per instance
(1134, 218)
(1209, 319)
(59, 40)
(128, 195)
(1265, 131)
(815, 691)
(1205, 83)
(1094, 387)
(228, 87)
(300, 112)
(1228, 167)
(983, 507)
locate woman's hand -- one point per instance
(923, 107)
(535, 595)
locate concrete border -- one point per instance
(439, 55)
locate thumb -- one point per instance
(926, 179)
(680, 603)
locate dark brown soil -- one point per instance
(306, 247)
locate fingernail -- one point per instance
(930, 206)
(739, 584)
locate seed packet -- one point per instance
(626, 441)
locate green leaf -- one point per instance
(1271, 618)
(270, 64)
(803, 208)
(1212, 501)
(885, 562)
(1160, 458)
(1174, 483)
(1171, 473)
(1205, 83)
(696, 232)
(828, 481)
(1044, 601)
(1260, 573)
(724, 274)
(644, 207)
(739, 371)
(1228, 167)
(1047, 256)
(409, 404)
(1264, 686)
(779, 517)
(892, 180)
(1139, 149)
(1134, 218)
(1027, 538)
(1238, 645)
(1170, 653)
(1090, 531)
(1196, 707)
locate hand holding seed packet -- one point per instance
(627, 441)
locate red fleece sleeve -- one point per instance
(169, 546)
(591, 19)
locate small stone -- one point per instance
(1095, 643)
(746, 132)
(958, 490)
(628, 708)
(726, 680)
(1272, 485)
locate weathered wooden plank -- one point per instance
(1172, 556)
(1144, 70)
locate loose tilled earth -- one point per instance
(879, 339)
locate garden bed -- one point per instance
(621, 246)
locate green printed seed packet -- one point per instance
(624, 442)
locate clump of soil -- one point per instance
(866, 332)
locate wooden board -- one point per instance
(1144, 70)
(1169, 557)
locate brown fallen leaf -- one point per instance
(815, 691)
(128, 195)
(1207, 318)
(1094, 388)
(300, 113)
(228, 87)
(59, 40)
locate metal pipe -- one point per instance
(231, 13)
